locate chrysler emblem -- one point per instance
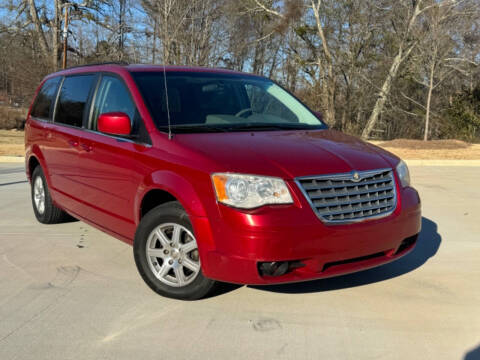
(355, 176)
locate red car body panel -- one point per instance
(103, 180)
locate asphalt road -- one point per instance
(71, 292)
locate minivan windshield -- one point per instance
(215, 102)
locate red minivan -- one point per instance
(213, 175)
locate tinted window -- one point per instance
(45, 99)
(73, 97)
(112, 96)
(191, 99)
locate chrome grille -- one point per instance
(350, 197)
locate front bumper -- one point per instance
(233, 243)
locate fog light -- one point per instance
(273, 268)
(407, 243)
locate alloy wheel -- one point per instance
(39, 195)
(172, 254)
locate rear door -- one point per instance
(107, 162)
(62, 155)
(38, 126)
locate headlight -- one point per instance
(403, 174)
(250, 191)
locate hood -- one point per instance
(287, 154)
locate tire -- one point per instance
(172, 267)
(45, 211)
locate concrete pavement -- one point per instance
(69, 291)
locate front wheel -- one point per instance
(166, 254)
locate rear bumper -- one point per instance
(233, 243)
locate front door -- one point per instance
(107, 162)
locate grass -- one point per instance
(431, 150)
(12, 143)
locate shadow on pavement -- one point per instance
(14, 183)
(473, 354)
(67, 218)
(223, 288)
(427, 246)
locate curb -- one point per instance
(443, 162)
(12, 159)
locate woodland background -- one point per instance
(376, 68)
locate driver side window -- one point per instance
(112, 96)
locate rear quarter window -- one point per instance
(45, 99)
(73, 99)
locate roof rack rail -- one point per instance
(123, 63)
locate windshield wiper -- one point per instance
(189, 129)
(186, 129)
(268, 126)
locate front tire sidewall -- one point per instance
(167, 213)
(41, 217)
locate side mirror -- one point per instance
(114, 123)
(319, 115)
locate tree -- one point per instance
(323, 57)
(403, 15)
(383, 68)
(185, 29)
(439, 51)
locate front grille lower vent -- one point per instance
(350, 197)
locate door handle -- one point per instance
(87, 147)
(73, 143)
(48, 135)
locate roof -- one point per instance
(120, 67)
(142, 67)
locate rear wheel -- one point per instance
(45, 211)
(166, 254)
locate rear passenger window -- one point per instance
(73, 98)
(45, 99)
